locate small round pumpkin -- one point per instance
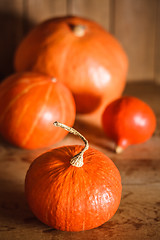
(73, 188)
(81, 54)
(128, 120)
(30, 102)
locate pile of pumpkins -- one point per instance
(65, 66)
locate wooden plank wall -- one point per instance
(135, 23)
(157, 46)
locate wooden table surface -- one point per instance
(138, 216)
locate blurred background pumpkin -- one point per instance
(30, 103)
(81, 54)
(134, 23)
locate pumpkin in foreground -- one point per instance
(30, 102)
(73, 188)
(128, 120)
(81, 54)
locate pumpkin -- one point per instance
(128, 120)
(73, 188)
(30, 102)
(81, 54)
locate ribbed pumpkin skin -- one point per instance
(71, 198)
(30, 103)
(128, 120)
(93, 66)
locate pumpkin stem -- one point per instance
(78, 30)
(119, 149)
(54, 79)
(77, 160)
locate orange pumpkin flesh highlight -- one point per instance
(128, 120)
(30, 102)
(71, 198)
(91, 64)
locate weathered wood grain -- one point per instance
(135, 27)
(138, 216)
(157, 45)
(98, 11)
(37, 11)
(11, 25)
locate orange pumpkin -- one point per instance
(128, 120)
(72, 188)
(30, 102)
(81, 54)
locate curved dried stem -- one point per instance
(77, 160)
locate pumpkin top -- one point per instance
(77, 160)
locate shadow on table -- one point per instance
(93, 133)
(14, 210)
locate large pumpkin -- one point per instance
(72, 188)
(81, 54)
(29, 103)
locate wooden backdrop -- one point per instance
(135, 23)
